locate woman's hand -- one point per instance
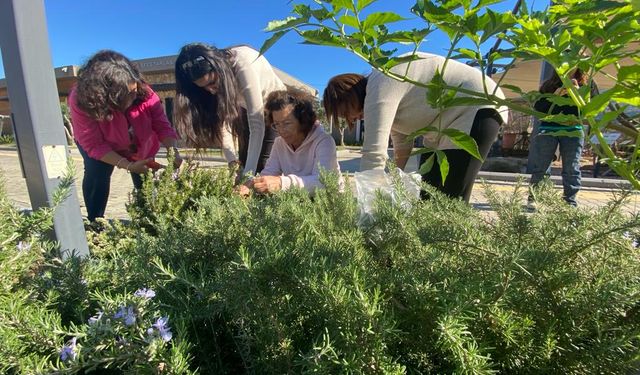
(139, 167)
(242, 190)
(267, 184)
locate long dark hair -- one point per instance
(103, 84)
(199, 115)
(344, 91)
(552, 84)
(302, 107)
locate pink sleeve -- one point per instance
(86, 131)
(160, 124)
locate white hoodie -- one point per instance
(301, 167)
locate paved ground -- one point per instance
(595, 193)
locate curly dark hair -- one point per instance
(343, 92)
(103, 84)
(302, 103)
(199, 115)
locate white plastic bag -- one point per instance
(369, 182)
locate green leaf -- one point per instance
(339, 5)
(400, 60)
(302, 10)
(497, 23)
(563, 40)
(321, 14)
(287, 23)
(562, 119)
(349, 20)
(627, 96)
(396, 37)
(444, 165)
(361, 4)
(560, 100)
(464, 141)
(485, 3)
(380, 18)
(420, 34)
(272, 40)
(598, 103)
(604, 61)
(423, 131)
(629, 73)
(608, 117)
(474, 55)
(322, 37)
(421, 150)
(513, 88)
(428, 164)
(435, 89)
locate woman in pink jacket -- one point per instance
(118, 121)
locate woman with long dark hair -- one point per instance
(569, 137)
(220, 94)
(118, 121)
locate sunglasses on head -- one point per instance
(197, 68)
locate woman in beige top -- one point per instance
(219, 94)
(395, 109)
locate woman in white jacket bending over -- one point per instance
(301, 149)
(397, 109)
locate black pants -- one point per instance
(96, 184)
(242, 131)
(463, 168)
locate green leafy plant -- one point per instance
(6, 139)
(289, 283)
(46, 299)
(569, 34)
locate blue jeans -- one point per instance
(96, 183)
(542, 152)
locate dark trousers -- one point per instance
(96, 184)
(463, 168)
(242, 129)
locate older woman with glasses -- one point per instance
(301, 149)
(118, 121)
(220, 94)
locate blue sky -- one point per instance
(147, 28)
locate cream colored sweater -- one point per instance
(397, 109)
(256, 80)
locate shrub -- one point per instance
(46, 302)
(290, 284)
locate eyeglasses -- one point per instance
(281, 125)
(197, 68)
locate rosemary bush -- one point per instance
(290, 284)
